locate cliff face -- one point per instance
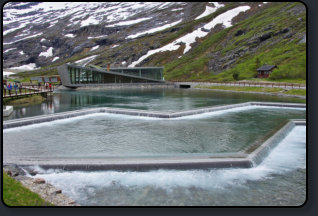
(193, 41)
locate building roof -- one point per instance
(266, 68)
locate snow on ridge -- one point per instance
(129, 22)
(94, 48)
(224, 19)
(69, 35)
(85, 61)
(209, 10)
(165, 5)
(48, 53)
(102, 36)
(55, 58)
(90, 21)
(32, 36)
(7, 73)
(30, 66)
(13, 29)
(150, 31)
(8, 50)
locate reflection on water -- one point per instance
(143, 99)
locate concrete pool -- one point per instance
(190, 150)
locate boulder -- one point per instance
(239, 32)
(39, 181)
(265, 37)
(13, 170)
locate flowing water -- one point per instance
(280, 180)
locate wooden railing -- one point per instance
(255, 84)
(26, 89)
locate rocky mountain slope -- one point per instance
(193, 41)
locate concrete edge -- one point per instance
(137, 164)
(258, 155)
(132, 112)
(7, 111)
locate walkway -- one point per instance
(27, 90)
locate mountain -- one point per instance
(192, 40)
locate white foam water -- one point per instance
(289, 155)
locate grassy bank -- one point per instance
(33, 99)
(15, 194)
(301, 92)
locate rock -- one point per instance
(269, 27)
(57, 192)
(33, 172)
(39, 181)
(288, 35)
(239, 32)
(13, 170)
(105, 42)
(266, 36)
(284, 31)
(303, 40)
(205, 30)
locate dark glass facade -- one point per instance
(87, 75)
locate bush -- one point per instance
(236, 75)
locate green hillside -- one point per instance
(287, 53)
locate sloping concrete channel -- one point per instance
(250, 158)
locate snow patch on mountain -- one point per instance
(55, 58)
(47, 53)
(129, 22)
(224, 19)
(150, 31)
(210, 10)
(85, 61)
(94, 48)
(70, 35)
(30, 66)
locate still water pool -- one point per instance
(103, 135)
(167, 100)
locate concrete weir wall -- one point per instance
(234, 161)
(145, 113)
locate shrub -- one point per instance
(236, 75)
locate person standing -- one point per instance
(4, 88)
(9, 88)
(20, 87)
(50, 86)
(16, 88)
